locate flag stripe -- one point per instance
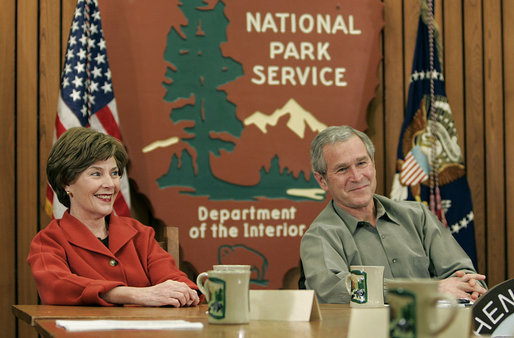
(414, 177)
(67, 117)
(105, 119)
(59, 128)
(417, 177)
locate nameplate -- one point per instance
(284, 305)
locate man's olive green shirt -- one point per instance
(408, 240)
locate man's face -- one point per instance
(350, 177)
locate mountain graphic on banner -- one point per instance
(299, 119)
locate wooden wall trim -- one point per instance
(7, 165)
(494, 136)
(27, 171)
(376, 129)
(453, 64)
(474, 116)
(393, 86)
(508, 81)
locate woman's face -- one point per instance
(93, 193)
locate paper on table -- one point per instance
(99, 325)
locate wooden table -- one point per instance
(335, 322)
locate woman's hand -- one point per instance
(170, 292)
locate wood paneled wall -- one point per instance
(478, 42)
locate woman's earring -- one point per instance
(69, 194)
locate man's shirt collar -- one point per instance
(352, 223)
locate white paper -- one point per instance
(101, 325)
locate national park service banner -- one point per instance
(219, 102)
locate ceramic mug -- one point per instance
(365, 284)
(413, 308)
(227, 293)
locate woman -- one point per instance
(91, 256)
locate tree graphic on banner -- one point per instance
(198, 70)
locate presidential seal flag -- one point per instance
(86, 95)
(430, 166)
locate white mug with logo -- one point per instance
(365, 284)
(227, 293)
(413, 308)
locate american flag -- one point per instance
(86, 94)
(429, 133)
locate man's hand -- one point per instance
(170, 292)
(463, 285)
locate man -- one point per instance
(360, 228)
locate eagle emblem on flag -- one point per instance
(414, 170)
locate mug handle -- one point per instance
(449, 320)
(347, 282)
(201, 280)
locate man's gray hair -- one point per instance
(333, 135)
